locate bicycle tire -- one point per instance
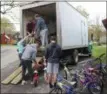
(91, 87)
(65, 77)
(56, 91)
(51, 92)
(35, 83)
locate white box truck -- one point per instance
(63, 21)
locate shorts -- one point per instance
(52, 68)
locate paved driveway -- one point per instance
(8, 55)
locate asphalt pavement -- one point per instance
(8, 55)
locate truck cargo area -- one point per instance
(48, 12)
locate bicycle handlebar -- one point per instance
(98, 58)
(101, 55)
(64, 62)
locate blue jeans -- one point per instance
(44, 37)
(20, 55)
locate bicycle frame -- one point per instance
(86, 78)
(67, 71)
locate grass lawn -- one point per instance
(98, 50)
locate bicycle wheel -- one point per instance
(56, 91)
(59, 91)
(65, 75)
(35, 83)
(94, 88)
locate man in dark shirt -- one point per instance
(41, 30)
(30, 26)
(30, 29)
(52, 57)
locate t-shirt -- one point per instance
(30, 26)
(53, 53)
(30, 52)
(20, 47)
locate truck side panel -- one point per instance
(74, 32)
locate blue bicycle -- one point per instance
(63, 86)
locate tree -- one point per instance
(16, 35)
(6, 6)
(82, 11)
(96, 29)
(6, 26)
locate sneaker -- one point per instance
(32, 83)
(50, 85)
(23, 82)
(55, 85)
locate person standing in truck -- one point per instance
(30, 29)
(30, 26)
(52, 57)
(41, 30)
(29, 56)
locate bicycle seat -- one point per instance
(35, 71)
(45, 68)
(91, 69)
(73, 83)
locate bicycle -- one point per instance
(63, 85)
(67, 71)
(91, 77)
(38, 67)
(88, 81)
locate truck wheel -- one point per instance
(75, 56)
(90, 54)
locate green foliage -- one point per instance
(7, 26)
(97, 30)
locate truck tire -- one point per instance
(90, 54)
(75, 56)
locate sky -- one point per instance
(95, 9)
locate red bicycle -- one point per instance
(37, 68)
(35, 78)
